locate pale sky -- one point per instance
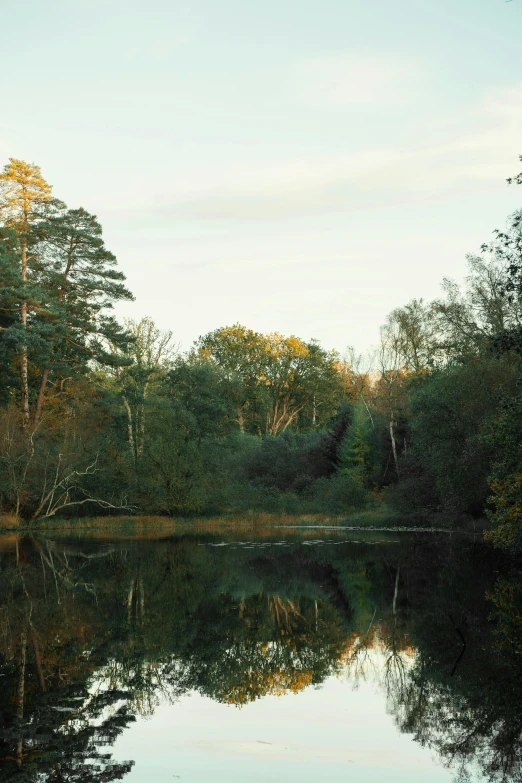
(301, 166)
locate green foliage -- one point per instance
(205, 392)
(277, 382)
(355, 450)
(505, 439)
(171, 471)
(58, 284)
(285, 462)
(10, 337)
(451, 410)
(80, 282)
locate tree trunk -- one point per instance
(45, 376)
(130, 599)
(396, 592)
(368, 411)
(23, 361)
(41, 398)
(141, 598)
(20, 693)
(394, 445)
(38, 659)
(140, 435)
(130, 434)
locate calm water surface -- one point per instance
(325, 657)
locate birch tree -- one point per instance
(149, 356)
(391, 375)
(415, 330)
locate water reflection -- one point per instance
(93, 635)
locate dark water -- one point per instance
(208, 658)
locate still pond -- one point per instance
(278, 656)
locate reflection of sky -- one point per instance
(332, 733)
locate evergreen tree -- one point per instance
(10, 324)
(80, 283)
(23, 192)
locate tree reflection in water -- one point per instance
(93, 635)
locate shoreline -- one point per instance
(380, 519)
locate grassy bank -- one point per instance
(378, 518)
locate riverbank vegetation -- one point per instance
(98, 416)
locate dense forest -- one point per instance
(96, 414)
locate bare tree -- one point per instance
(415, 331)
(64, 489)
(359, 367)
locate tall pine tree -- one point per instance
(23, 192)
(80, 284)
(58, 284)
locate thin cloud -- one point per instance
(353, 81)
(479, 152)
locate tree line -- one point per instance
(97, 414)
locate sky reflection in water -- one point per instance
(334, 732)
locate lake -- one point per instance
(280, 655)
